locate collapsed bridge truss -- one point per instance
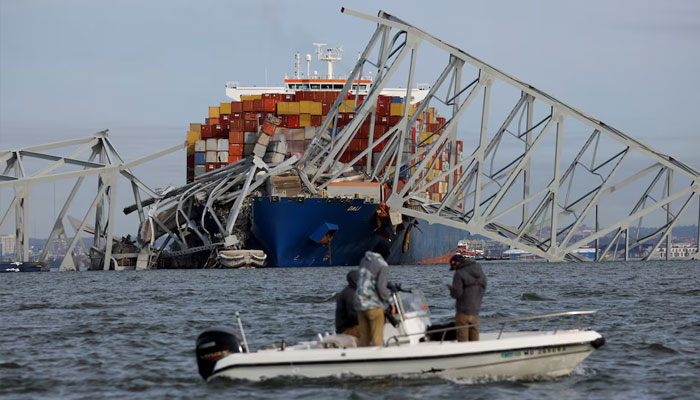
(540, 175)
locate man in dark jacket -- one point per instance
(345, 313)
(468, 287)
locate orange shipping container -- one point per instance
(236, 107)
(235, 149)
(248, 105)
(235, 137)
(233, 159)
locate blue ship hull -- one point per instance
(335, 232)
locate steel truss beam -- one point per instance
(107, 169)
(548, 216)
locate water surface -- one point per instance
(130, 334)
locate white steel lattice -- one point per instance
(582, 199)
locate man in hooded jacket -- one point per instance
(373, 295)
(345, 313)
(468, 287)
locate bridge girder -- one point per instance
(574, 204)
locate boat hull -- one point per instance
(518, 358)
(284, 228)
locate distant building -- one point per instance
(7, 245)
(677, 251)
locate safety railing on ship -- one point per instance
(501, 323)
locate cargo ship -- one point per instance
(336, 227)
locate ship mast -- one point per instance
(330, 56)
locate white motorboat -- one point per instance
(411, 348)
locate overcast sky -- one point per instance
(145, 69)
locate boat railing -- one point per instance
(502, 322)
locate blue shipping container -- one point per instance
(200, 158)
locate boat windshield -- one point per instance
(413, 303)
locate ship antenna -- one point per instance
(297, 66)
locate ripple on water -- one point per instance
(129, 335)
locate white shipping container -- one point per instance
(212, 145)
(263, 139)
(200, 146)
(309, 132)
(222, 145)
(259, 150)
(211, 156)
(364, 190)
(222, 156)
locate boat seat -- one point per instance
(341, 341)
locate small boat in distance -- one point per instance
(30, 266)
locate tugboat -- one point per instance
(464, 250)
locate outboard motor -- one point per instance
(214, 344)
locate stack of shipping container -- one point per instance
(275, 125)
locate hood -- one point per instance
(352, 277)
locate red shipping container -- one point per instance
(213, 121)
(393, 120)
(235, 149)
(236, 107)
(190, 161)
(206, 131)
(218, 131)
(236, 125)
(233, 159)
(235, 137)
(251, 116)
(316, 120)
(269, 105)
(277, 97)
(293, 121)
(250, 125)
(258, 105)
(287, 97)
(363, 132)
(236, 115)
(383, 109)
(211, 166)
(267, 95)
(284, 120)
(248, 106)
(326, 107)
(225, 117)
(357, 145)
